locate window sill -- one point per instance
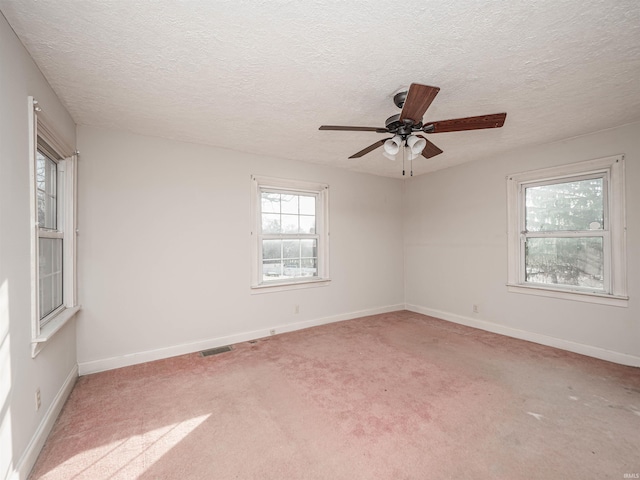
(588, 297)
(280, 287)
(51, 328)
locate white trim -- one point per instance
(614, 236)
(589, 350)
(47, 331)
(281, 287)
(288, 183)
(33, 217)
(95, 366)
(585, 167)
(69, 254)
(589, 297)
(101, 365)
(30, 455)
(618, 218)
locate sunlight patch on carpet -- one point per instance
(134, 454)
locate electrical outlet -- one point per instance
(476, 309)
(38, 401)
(272, 331)
(296, 309)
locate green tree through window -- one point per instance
(575, 208)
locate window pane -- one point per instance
(45, 257)
(289, 204)
(51, 170)
(309, 267)
(40, 170)
(50, 213)
(565, 261)
(307, 224)
(45, 293)
(46, 185)
(56, 290)
(270, 223)
(292, 268)
(307, 205)
(291, 248)
(574, 205)
(308, 247)
(290, 223)
(271, 269)
(271, 249)
(287, 259)
(49, 274)
(41, 207)
(270, 202)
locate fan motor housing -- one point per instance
(393, 122)
(402, 127)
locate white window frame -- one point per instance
(321, 191)
(65, 156)
(611, 169)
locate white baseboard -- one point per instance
(589, 350)
(96, 366)
(30, 455)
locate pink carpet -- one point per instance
(393, 396)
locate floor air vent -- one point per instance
(215, 351)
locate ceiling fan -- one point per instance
(402, 126)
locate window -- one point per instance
(566, 232)
(52, 166)
(290, 230)
(50, 235)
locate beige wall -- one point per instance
(455, 237)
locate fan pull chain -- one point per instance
(403, 161)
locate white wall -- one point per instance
(455, 236)
(20, 375)
(155, 215)
(164, 248)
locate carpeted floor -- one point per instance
(393, 396)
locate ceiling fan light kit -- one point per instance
(392, 146)
(414, 103)
(416, 144)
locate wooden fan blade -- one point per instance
(495, 120)
(369, 148)
(418, 100)
(353, 129)
(430, 150)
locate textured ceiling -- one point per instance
(262, 76)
